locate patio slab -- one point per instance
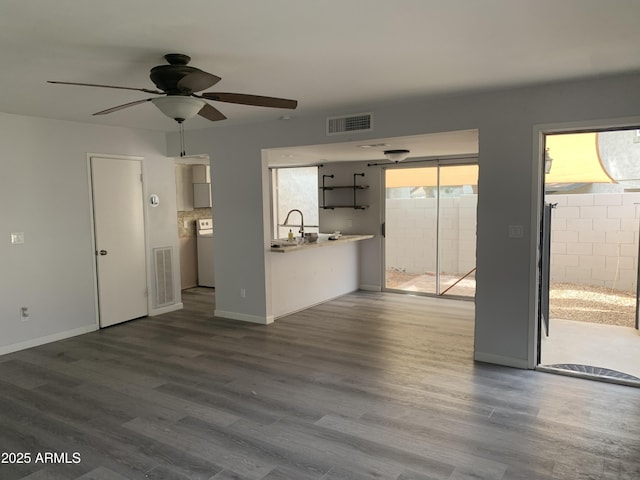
(605, 346)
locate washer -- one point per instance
(206, 277)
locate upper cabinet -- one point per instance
(193, 186)
(201, 174)
(201, 186)
(201, 195)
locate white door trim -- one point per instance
(93, 233)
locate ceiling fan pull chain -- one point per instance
(182, 152)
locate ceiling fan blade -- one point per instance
(211, 113)
(146, 90)
(256, 100)
(197, 81)
(120, 107)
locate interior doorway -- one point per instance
(430, 228)
(589, 250)
(193, 202)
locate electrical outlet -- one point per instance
(243, 293)
(350, 223)
(24, 314)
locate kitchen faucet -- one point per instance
(301, 221)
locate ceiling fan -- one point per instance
(178, 83)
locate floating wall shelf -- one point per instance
(353, 187)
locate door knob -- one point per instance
(103, 252)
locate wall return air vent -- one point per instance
(359, 122)
(163, 262)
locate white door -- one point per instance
(119, 233)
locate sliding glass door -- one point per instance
(430, 229)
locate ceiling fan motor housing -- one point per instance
(166, 78)
(177, 58)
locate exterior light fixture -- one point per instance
(547, 161)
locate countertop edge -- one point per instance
(321, 243)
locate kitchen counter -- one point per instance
(283, 246)
(319, 272)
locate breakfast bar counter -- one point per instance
(324, 240)
(312, 273)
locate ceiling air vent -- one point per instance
(359, 122)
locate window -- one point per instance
(294, 188)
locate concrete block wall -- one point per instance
(467, 222)
(411, 234)
(594, 239)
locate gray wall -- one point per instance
(507, 120)
(44, 192)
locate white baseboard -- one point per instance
(302, 309)
(48, 339)
(243, 317)
(500, 360)
(371, 288)
(167, 309)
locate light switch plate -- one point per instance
(516, 231)
(17, 238)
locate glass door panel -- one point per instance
(430, 229)
(457, 192)
(410, 229)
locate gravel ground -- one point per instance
(592, 304)
(567, 301)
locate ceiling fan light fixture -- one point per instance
(396, 155)
(178, 107)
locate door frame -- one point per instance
(436, 162)
(94, 265)
(537, 205)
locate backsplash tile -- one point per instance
(190, 216)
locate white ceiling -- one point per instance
(446, 144)
(334, 56)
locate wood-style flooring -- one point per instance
(368, 386)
